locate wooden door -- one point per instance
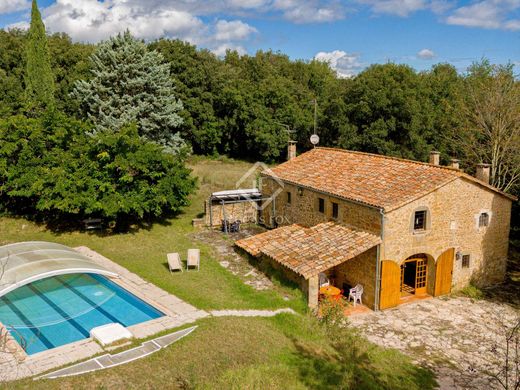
(443, 273)
(421, 275)
(390, 294)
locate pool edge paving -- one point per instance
(176, 313)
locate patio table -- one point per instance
(330, 291)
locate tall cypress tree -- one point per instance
(39, 79)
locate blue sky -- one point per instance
(349, 34)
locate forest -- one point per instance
(242, 106)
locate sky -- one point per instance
(348, 34)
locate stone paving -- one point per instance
(225, 253)
(461, 340)
(250, 313)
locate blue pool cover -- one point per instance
(62, 309)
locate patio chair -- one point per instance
(193, 259)
(323, 280)
(356, 293)
(174, 262)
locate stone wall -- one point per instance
(453, 212)
(359, 270)
(303, 209)
(246, 212)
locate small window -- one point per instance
(465, 261)
(419, 221)
(483, 220)
(335, 210)
(289, 197)
(321, 205)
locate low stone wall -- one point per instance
(246, 212)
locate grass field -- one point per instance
(285, 352)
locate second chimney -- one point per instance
(435, 157)
(291, 150)
(455, 163)
(483, 172)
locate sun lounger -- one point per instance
(174, 262)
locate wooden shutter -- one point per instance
(390, 284)
(443, 273)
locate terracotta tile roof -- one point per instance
(375, 180)
(309, 251)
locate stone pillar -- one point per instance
(483, 172)
(455, 163)
(313, 291)
(435, 157)
(291, 150)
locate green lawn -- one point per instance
(285, 352)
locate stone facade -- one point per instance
(246, 212)
(304, 209)
(359, 270)
(452, 222)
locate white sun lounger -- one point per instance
(174, 262)
(193, 259)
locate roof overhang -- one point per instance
(26, 262)
(309, 251)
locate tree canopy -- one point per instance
(130, 84)
(39, 79)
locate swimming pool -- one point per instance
(60, 310)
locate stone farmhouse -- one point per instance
(403, 229)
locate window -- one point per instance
(483, 220)
(335, 210)
(321, 205)
(465, 261)
(289, 197)
(419, 221)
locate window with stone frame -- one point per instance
(335, 210)
(321, 205)
(289, 196)
(465, 261)
(483, 220)
(419, 220)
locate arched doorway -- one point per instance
(414, 275)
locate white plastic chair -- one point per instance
(356, 293)
(174, 262)
(193, 259)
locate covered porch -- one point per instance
(345, 255)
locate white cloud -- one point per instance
(311, 11)
(426, 54)
(8, 6)
(233, 30)
(492, 14)
(404, 8)
(345, 64)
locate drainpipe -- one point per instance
(378, 262)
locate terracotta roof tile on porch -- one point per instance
(309, 251)
(376, 180)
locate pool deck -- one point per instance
(177, 313)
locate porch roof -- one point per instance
(309, 251)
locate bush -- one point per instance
(50, 168)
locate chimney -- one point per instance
(291, 150)
(435, 157)
(455, 163)
(483, 172)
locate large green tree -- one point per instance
(51, 168)
(131, 84)
(39, 79)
